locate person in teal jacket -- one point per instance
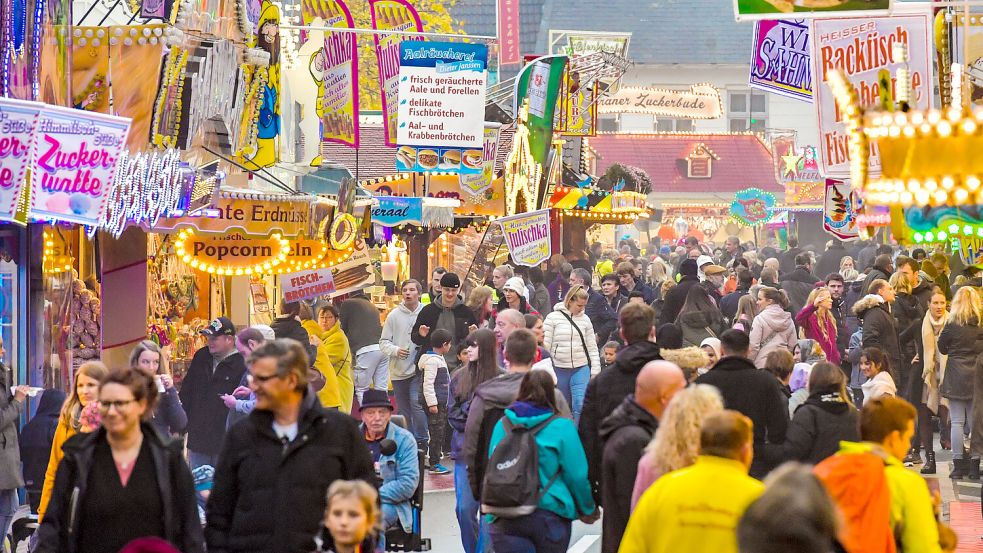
(548, 529)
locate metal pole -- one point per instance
(384, 32)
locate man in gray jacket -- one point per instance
(11, 402)
(401, 351)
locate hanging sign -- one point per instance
(306, 285)
(74, 158)
(17, 123)
(839, 211)
(335, 70)
(475, 184)
(231, 254)
(441, 94)
(255, 217)
(528, 237)
(862, 47)
(509, 33)
(392, 15)
(305, 253)
(751, 206)
(577, 115)
(393, 211)
(774, 9)
(701, 101)
(780, 59)
(354, 273)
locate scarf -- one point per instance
(933, 369)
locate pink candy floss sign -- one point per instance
(17, 121)
(75, 154)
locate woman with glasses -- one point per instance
(123, 481)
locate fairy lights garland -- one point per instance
(174, 74)
(259, 268)
(145, 187)
(36, 49)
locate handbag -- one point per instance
(583, 342)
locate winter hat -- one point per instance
(266, 331)
(688, 267)
(517, 285)
(669, 336)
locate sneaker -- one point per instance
(439, 469)
(912, 459)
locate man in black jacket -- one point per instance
(799, 283)
(447, 311)
(830, 261)
(287, 325)
(753, 392)
(787, 259)
(215, 371)
(599, 311)
(630, 283)
(625, 434)
(883, 269)
(273, 475)
(677, 294)
(609, 388)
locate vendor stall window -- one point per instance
(748, 111)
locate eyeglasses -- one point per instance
(119, 405)
(262, 379)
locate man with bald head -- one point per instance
(624, 435)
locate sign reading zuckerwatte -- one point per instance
(780, 61)
(441, 94)
(75, 154)
(861, 47)
(528, 237)
(17, 123)
(305, 285)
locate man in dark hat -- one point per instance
(446, 311)
(400, 470)
(215, 371)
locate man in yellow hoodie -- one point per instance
(697, 508)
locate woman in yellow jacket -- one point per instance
(334, 341)
(85, 390)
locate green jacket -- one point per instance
(559, 450)
(912, 518)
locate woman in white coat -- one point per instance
(772, 328)
(569, 337)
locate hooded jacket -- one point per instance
(771, 330)
(879, 329)
(624, 433)
(798, 284)
(699, 325)
(35, 442)
(395, 335)
(676, 296)
(756, 394)
(605, 392)
(340, 356)
(60, 532)
(962, 343)
(430, 314)
(487, 407)
(818, 427)
(563, 341)
(270, 497)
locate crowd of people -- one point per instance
(686, 394)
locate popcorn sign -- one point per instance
(17, 121)
(74, 159)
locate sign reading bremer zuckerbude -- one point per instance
(528, 237)
(701, 101)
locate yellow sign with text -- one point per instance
(232, 253)
(252, 217)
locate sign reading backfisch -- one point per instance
(861, 47)
(780, 61)
(441, 94)
(701, 101)
(528, 237)
(307, 284)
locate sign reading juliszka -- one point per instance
(441, 94)
(528, 237)
(17, 121)
(305, 285)
(75, 154)
(780, 61)
(861, 47)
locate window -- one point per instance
(608, 124)
(677, 125)
(748, 111)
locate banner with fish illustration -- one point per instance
(839, 211)
(392, 15)
(752, 206)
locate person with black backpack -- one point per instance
(536, 483)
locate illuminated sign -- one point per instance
(232, 253)
(701, 101)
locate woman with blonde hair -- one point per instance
(658, 273)
(85, 390)
(960, 340)
(168, 414)
(817, 322)
(747, 310)
(926, 387)
(848, 269)
(676, 443)
(482, 303)
(569, 337)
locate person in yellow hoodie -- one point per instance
(335, 343)
(85, 389)
(697, 508)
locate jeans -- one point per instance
(409, 404)
(437, 422)
(572, 383)
(371, 370)
(474, 528)
(961, 414)
(540, 532)
(8, 506)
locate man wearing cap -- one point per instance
(713, 281)
(400, 470)
(626, 274)
(215, 371)
(447, 311)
